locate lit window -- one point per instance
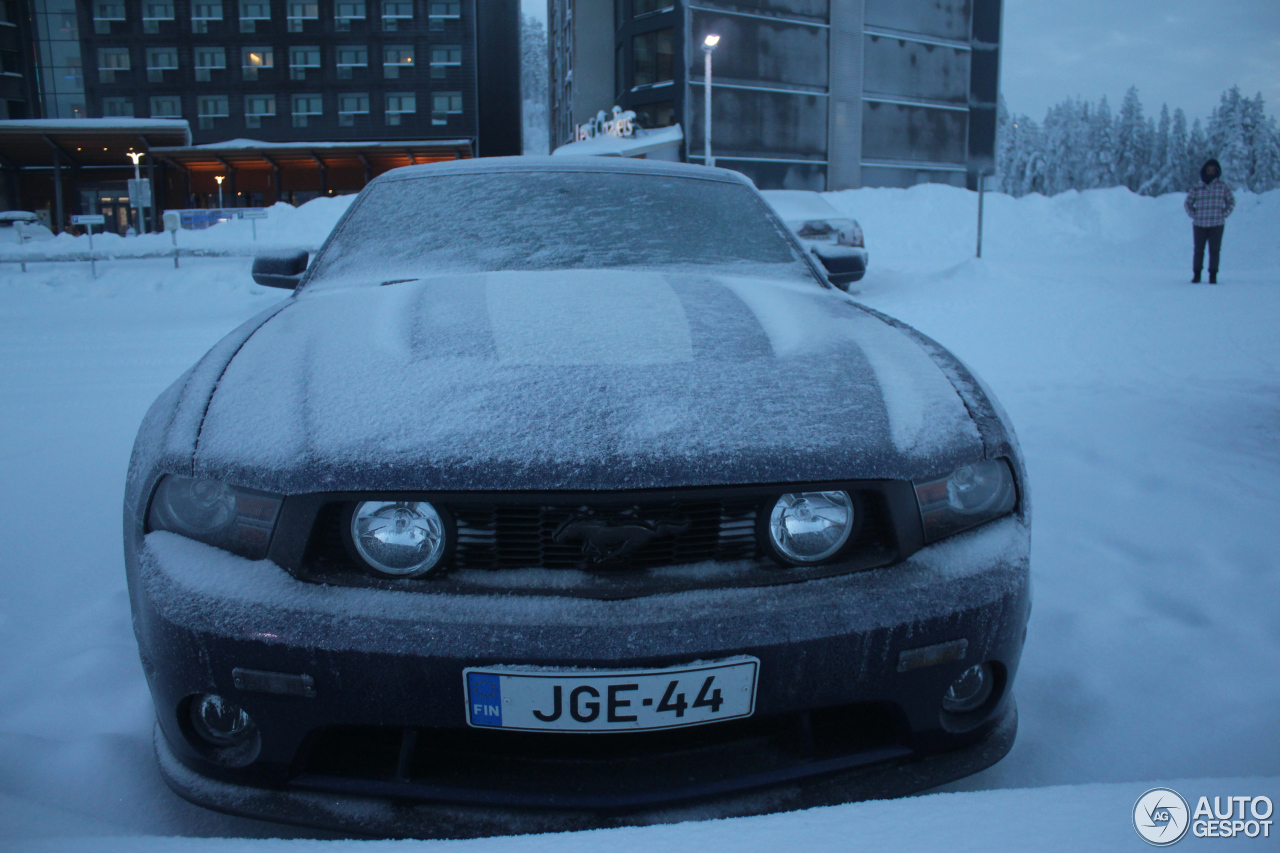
(104, 12)
(255, 60)
(394, 58)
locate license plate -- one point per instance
(575, 700)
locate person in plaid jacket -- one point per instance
(1208, 204)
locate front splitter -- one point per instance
(373, 817)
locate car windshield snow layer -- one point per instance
(546, 220)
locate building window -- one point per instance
(111, 61)
(400, 104)
(104, 12)
(202, 14)
(652, 58)
(443, 57)
(299, 12)
(258, 107)
(350, 105)
(252, 11)
(656, 115)
(440, 12)
(445, 104)
(209, 59)
(394, 58)
(255, 60)
(395, 11)
(117, 107)
(155, 12)
(160, 60)
(211, 107)
(302, 58)
(346, 11)
(166, 106)
(351, 56)
(306, 105)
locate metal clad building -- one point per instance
(807, 94)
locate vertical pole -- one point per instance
(93, 262)
(155, 208)
(707, 158)
(57, 192)
(982, 182)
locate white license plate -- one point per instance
(575, 700)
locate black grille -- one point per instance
(512, 537)
(598, 770)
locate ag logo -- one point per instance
(1161, 816)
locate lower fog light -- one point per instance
(221, 723)
(970, 691)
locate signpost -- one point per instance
(89, 220)
(254, 216)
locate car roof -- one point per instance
(622, 165)
(18, 216)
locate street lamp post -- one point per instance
(708, 45)
(220, 179)
(135, 156)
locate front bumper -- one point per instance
(382, 745)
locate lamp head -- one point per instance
(709, 43)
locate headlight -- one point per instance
(805, 527)
(238, 520)
(403, 539)
(967, 497)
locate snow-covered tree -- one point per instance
(1132, 145)
(533, 83)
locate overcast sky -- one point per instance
(1185, 53)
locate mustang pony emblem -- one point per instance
(605, 539)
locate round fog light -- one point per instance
(402, 539)
(221, 723)
(970, 691)
(806, 527)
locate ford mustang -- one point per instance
(565, 494)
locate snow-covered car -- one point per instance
(22, 226)
(833, 236)
(564, 494)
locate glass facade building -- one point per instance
(806, 94)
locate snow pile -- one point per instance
(1146, 408)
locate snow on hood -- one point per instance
(580, 379)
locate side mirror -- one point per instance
(844, 264)
(283, 270)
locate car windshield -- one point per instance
(550, 220)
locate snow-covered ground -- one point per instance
(1148, 409)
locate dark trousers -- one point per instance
(1212, 234)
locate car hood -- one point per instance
(580, 379)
